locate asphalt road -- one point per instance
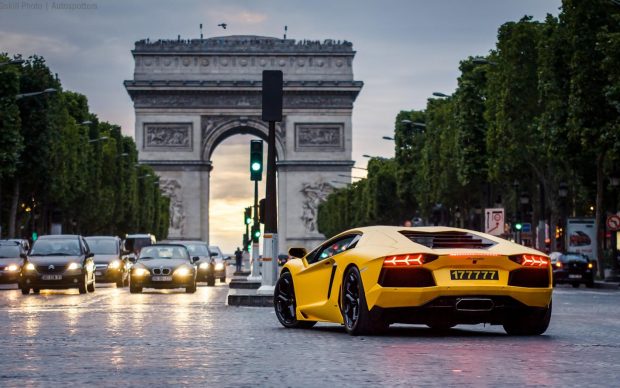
(158, 338)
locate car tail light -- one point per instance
(590, 265)
(531, 261)
(407, 260)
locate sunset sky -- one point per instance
(406, 50)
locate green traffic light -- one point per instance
(256, 233)
(256, 166)
(518, 226)
(35, 236)
(248, 221)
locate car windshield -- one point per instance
(56, 247)
(197, 249)
(9, 251)
(164, 252)
(135, 244)
(573, 257)
(102, 246)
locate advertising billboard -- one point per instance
(581, 236)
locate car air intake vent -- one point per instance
(447, 240)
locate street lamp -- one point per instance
(440, 95)
(388, 138)
(483, 61)
(123, 155)
(32, 94)
(87, 122)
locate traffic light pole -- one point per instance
(255, 271)
(270, 240)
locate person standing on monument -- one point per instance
(238, 259)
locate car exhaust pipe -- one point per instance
(474, 304)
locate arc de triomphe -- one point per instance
(190, 95)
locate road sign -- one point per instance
(527, 227)
(494, 221)
(613, 222)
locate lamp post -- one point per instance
(17, 61)
(516, 212)
(440, 95)
(102, 138)
(614, 274)
(388, 138)
(32, 94)
(563, 193)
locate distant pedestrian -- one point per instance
(238, 259)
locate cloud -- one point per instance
(44, 45)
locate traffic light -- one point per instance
(518, 226)
(247, 215)
(261, 211)
(35, 236)
(256, 160)
(255, 233)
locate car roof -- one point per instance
(58, 236)
(185, 242)
(166, 245)
(102, 237)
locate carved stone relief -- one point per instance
(185, 100)
(168, 135)
(314, 194)
(319, 137)
(172, 189)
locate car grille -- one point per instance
(161, 271)
(406, 277)
(529, 277)
(101, 266)
(46, 268)
(448, 240)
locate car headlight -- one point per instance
(140, 272)
(29, 267)
(183, 271)
(114, 265)
(204, 265)
(73, 266)
(219, 266)
(12, 268)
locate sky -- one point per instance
(406, 50)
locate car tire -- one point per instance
(575, 285)
(223, 280)
(210, 282)
(25, 291)
(358, 320)
(91, 286)
(590, 283)
(36, 290)
(126, 282)
(134, 289)
(190, 290)
(534, 322)
(284, 303)
(120, 283)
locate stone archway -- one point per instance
(189, 95)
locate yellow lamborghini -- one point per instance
(371, 277)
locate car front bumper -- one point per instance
(107, 275)
(9, 276)
(564, 276)
(73, 280)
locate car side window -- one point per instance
(334, 247)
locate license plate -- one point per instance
(51, 277)
(161, 278)
(473, 274)
(98, 273)
(574, 276)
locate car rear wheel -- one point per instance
(25, 291)
(358, 320)
(191, 290)
(534, 322)
(285, 306)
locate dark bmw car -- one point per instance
(209, 267)
(58, 262)
(164, 266)
(110, 266)
(573, 268)
(12, 256)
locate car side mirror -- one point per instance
(195, 259)
(212, 254)
(297, 252)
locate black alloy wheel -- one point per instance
(25, 290)
(358, 320)
(284, 303)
